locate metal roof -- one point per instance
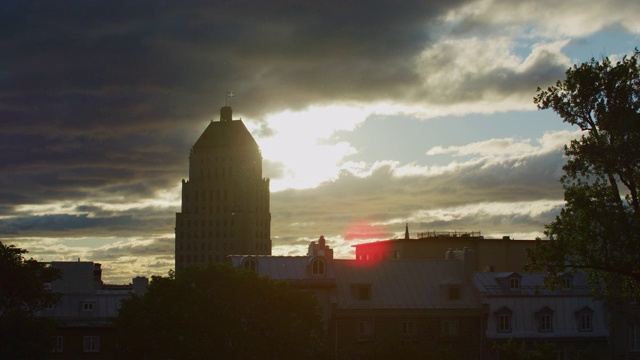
(530, 298)
(403, 284)
(285, 267)
(496, 283)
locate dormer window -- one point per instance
(361, 291)
(318, 266)
(567, 281)
(544, 318)
(250, 263)
(584, 317)
(503, 319)
(514, 283)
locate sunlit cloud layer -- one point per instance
(100, 103)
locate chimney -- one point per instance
(140, 284)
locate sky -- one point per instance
(369, 115)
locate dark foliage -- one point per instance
(219, 312)
(598, 231)
(22, 292)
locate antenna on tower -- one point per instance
(229, 96)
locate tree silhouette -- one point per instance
(219, 312)
(23, 291)
(598, 231)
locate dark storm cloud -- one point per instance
(91, 221)
(59, 223)
(103, 98)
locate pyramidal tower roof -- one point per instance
(225, 133)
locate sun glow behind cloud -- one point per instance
(302, 142)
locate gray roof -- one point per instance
(402, 284)
(524, 303)
(496, 283)
(292, 268)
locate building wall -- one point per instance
(491, 254)
(85, 311)
(73, 343)
(225, 202)
(518, 311)
(428, 339)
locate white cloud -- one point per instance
(548, 18)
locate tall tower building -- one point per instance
(225, 202)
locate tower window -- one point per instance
(318, 266)
(250, 263)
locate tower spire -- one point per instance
(406, 231)
(229, 96)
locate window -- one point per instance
(408, 328)
(364, 329)
(503, 319)
(363, 292)
(514, 283)
(634, 337)
(585, 322)
(57, 344)
(544, 322)
(91, 343)
(318, 266)
(250, 263)
(454, 292)
(88, 306)
(544, 318)
(585, 319)
(567, 282)
(449, 327)
(504, 323)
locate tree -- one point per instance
(23, 292)
(598, 230)
(219, 312)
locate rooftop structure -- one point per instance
(504, 254)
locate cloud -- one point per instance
(476, 70)
(550, 19)
(101, 102)
(509, 147)
(519, 194)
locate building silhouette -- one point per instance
(225, 201)
(86, 309)
(444, 308)
(505, 254)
